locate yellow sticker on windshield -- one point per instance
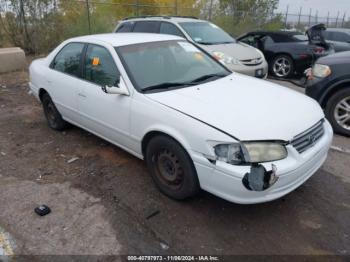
(198, 56)
(95, 61)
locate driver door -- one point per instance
(106, 115)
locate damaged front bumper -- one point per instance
(227, 181)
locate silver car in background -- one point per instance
(236, 56)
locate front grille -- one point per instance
(252, 62)
(308, 138)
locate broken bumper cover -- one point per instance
(225, 180)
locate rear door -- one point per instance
(63, 78)
(104, 114)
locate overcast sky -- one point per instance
(323, 6)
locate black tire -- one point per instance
(280, 74)
(331, 110)
(171, 168)
(53, 117)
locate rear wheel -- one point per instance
(53, 117)
(282, 66)
(171, 168)
(338, 112)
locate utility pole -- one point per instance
(88, 15)
(310, 17)
(328, 19)
(342, 23)
(286, 18)
(210, 9)
(176, 7)
(137, 7)
(336, 21)
(299, 16)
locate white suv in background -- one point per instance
(236, 56)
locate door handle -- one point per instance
(81, 95)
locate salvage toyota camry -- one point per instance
(195, 123)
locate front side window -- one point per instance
(146, 27)
(170, 29)
(206, 33)
(168, 64)
(99, 66)
(68, 59)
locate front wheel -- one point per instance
(282, 66)
(53, 117)
(338, 112)
(171, 168)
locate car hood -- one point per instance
(237, 50)
(245, 107)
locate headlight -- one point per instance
(321, 71)
(226, 59)
(265, 151)
(250, 152)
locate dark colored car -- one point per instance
(329, 84)
(339, 38)
(287, 53)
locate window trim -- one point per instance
(84, 59)
(80, 65)
(177, 27)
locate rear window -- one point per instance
(125, 27)
(146, 27)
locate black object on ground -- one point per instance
(42, 210)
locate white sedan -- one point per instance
(196, 124)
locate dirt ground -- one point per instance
(105, 202)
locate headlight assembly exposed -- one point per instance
(226, 59)
(250, 152)
(321, 71)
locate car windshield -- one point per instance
(168, 64)
(206, 33)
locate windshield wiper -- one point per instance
(166, 85)
(214, 43)
(206, 77)
(205, 43)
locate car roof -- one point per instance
(123, 39)
(177, 19)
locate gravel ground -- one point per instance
(104, 202)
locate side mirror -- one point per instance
(119, 88)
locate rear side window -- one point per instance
(146, 27)
(170, 29)
(341, 37)
(125, 27)
(99, 66)
(68, 59)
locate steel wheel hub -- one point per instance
(169, 168)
